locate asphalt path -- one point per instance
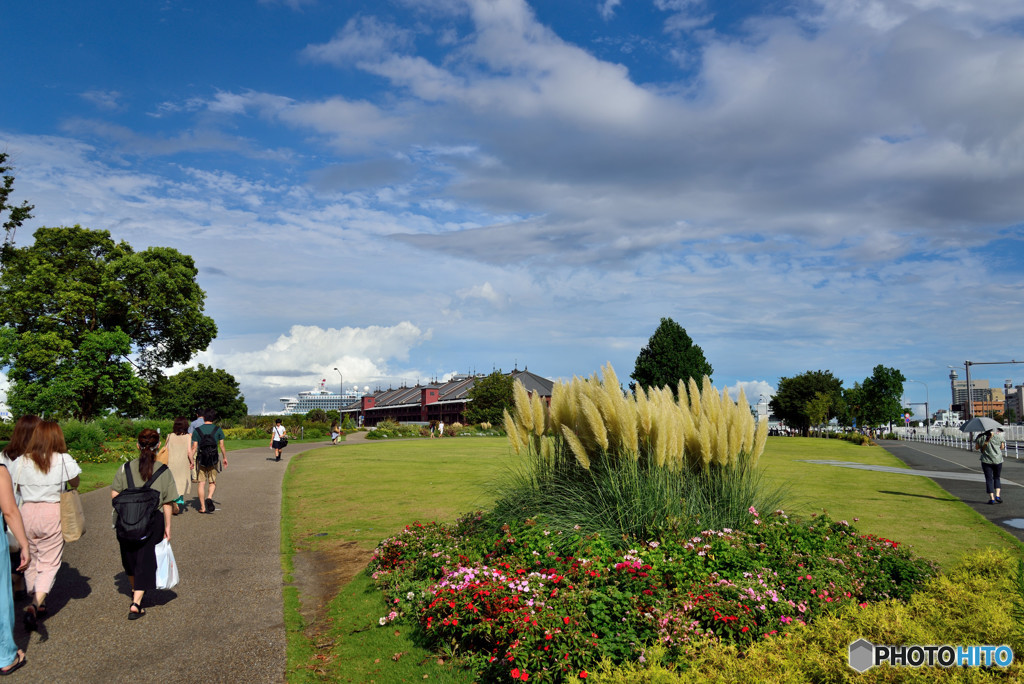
(223, 622)
(958, 471)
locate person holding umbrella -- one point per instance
(992, 444)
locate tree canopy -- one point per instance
(796, 395)
(489, 396)
(881, 396)
(75, 305)
(670, 356)
(199, 388)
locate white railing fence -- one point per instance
(952, 437)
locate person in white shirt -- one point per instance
(277, 435)
(39, 476)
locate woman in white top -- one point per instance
(38, 476)
(277, 435)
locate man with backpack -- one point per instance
(203, 457)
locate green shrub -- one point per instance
(246, 433)
(84, 440)
(116, 427)
(389, 429)
(965, 607)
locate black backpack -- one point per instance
(207, 456)
(136, 506)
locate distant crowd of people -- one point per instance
(146, 493)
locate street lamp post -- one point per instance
(927, 413)
(341, 392)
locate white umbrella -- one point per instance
(980, 424)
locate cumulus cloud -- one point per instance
(756, 391)
(300, 358)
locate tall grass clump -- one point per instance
(600, 461)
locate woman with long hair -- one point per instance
(16, 447)
(9, 651)
(138, 557)
(176, 448)
(40, 474)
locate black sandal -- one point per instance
(22, 659)
(29, 617)
(133, 615)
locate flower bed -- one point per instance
(526, 603)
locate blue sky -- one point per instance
(407, 189)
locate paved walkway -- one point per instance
(224, 622)
(959, 472)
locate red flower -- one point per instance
(583, 674)
(565, 620)
(515, 673)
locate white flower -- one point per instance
(383, 621)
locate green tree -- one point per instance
(670, 356)
(791, 399)
(202, 387)
(488, 398)
(818, 408)
(881, 396)
(16, 214)
(317, 415)
(848, 410)
(74, 305)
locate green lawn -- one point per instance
(910, 509)
(364, 493)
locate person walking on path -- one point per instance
(138, 556)
(335, 432)
(197, 422)
(9, 651)
(440, 429)
(16, 447)
(992, 445)
(278, 437)
(176, 452)
(39, 475)
(205, 441)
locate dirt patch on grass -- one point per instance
(319, 576)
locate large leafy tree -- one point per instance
(75, 304)
(199, 388)
(796, 394)
(489, 397)
(881, 396)
(670, 356)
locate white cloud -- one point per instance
(107, 100)
(306, 354)
(363, 39)
(485, 292)
(606, 8)
(756, 391)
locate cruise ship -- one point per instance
(317, 398)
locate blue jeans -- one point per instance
(992, 472)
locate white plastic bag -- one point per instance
(166, 567)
